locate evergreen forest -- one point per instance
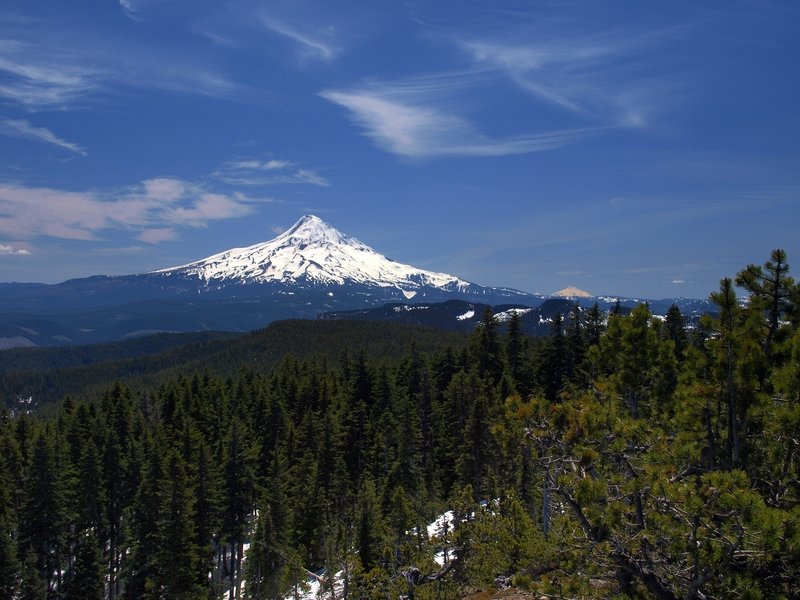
(621, 456)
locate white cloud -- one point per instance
(7, 250)
(134, 8)
(255, 172)
(678, 281)
(37, 72)
(36, 80)
(164, 189)
(260, 165)
(599, 76)
(310, 177)
(403, 121)
(154, 210)
(22, 128)
(309, 44)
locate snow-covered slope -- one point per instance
(312, 251)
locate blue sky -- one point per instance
(635, 148)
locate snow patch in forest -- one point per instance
(467, 315)
(312, 589)
(439, 529)
(506, 315)
(405, 307)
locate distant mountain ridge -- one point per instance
(309, 269)
(461, 315)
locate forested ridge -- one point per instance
(49, 374)
(623, 456)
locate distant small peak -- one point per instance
(571, 292)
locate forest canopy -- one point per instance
(621, 456)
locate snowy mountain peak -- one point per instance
(310, 229)
(312, 251)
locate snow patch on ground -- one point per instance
(311, 588)
(467, 315)
(439, 529)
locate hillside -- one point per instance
(49, 374)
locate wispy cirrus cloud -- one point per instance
(22, 128)
(596, 77)
(414, 123)
(134, 8)
(37, 73)
(309, 44)
(256, 172)
(153, 211)
(585, 81)
(35, 79)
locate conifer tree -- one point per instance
(238, 473)
(178, 565)
(515, 344)
(370, 526)
(141, 565)
(208, 508)
(9, 562)
(594, 325)
(771, 291)
(356, 414)
(91, 495)
(264, 566)
(486, 348)
(85, 579)
(32, 585)
(116, 407)
(576, 344)
(552, 360)
(44, 517)
(727, 327)
(641, 366)
(401, 519)
(473, 462)
(675, 329)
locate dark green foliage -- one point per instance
(44, 516)
(178, 565)
(675, 330)
(617, 461)
(771, 291)
(50, 374)
(85, 578)
(370, 527)
(32, 586)
(9, 563)
(265, 561)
